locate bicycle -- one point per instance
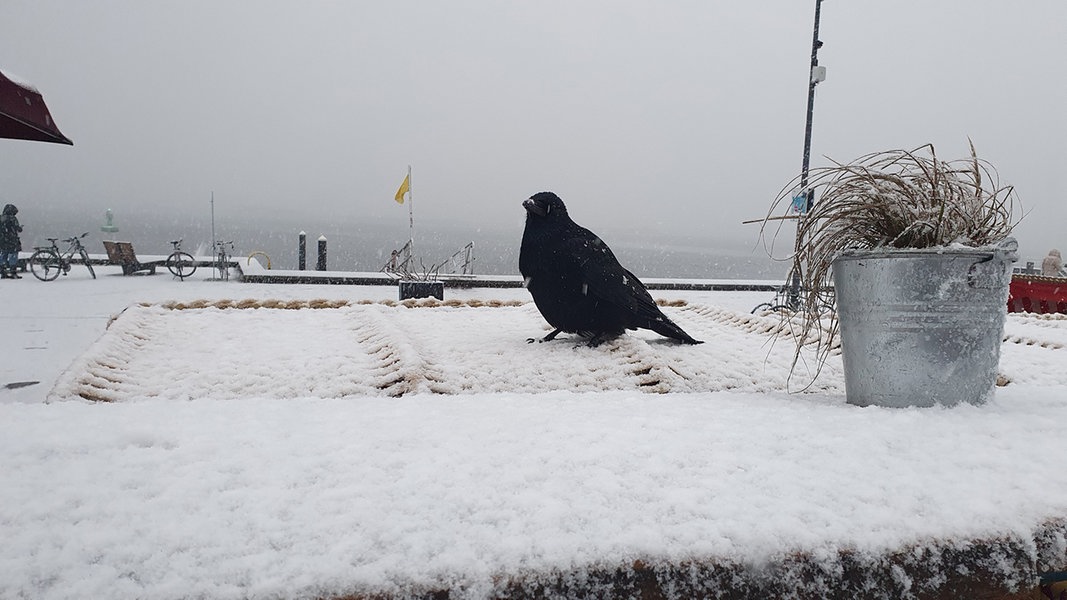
(222, 259)
(47, 262)
(787, 299)
(181, 264)
(792, 298)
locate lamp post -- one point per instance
(816, 75)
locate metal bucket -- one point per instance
(922, 327)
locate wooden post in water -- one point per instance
(302, 251)
(322, 253)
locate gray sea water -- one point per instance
(366, 246)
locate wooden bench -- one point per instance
(122, 254)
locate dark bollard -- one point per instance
(302, 252)
(322, 254)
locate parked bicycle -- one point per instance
(181, 264)
(222, 259)
(47, 262)
(792, 298)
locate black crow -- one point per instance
(578, 284)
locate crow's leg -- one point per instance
(602, 337)
(547, 338)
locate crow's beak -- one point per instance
(535, 208)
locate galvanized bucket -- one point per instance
(922, 327)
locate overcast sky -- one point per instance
(680, 116)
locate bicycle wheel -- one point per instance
(45, 265)
(85, 258)
(761, 307)
(181, 264)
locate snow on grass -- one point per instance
(370, 349)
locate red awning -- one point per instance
(24, 116)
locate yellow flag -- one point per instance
(404, 188)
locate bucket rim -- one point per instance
(985, 252)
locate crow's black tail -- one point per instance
(667, 328)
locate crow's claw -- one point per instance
(547, 338)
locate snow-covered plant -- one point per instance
(890, 199)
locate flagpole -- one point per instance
(411, 216)
(212, 226)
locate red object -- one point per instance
(1037, 294)
(24, 116)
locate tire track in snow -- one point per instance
(219, 353)
(104, 375)
(402, 367)
(485, 350)
(768, 323)
(754, 353)
(1032, 349)
(1044, 330)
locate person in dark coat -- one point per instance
(10, 244)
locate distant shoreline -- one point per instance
(366, 246)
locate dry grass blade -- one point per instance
(892, 199)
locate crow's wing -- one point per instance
(605, 278)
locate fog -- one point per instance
(655, 122)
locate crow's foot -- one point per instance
(547, 338)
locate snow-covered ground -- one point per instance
(314, 440)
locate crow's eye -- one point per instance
(548, 209)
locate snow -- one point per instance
(19, 80)
(318, 440)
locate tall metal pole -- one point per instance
(813, 80)
(411, 216)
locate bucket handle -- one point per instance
(1007, 251)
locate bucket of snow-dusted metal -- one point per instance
(922, 327)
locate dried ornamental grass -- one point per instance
(893, 199)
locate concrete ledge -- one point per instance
(1007, 568)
